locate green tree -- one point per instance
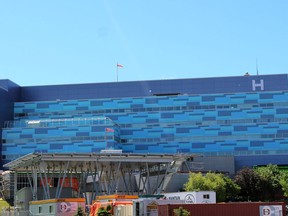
(270, 177)
(195, 182)
(232, 189)
(224, 187)
(250, 183)
(284, 183)
(181, 212)
(80, 212)
(105, 211)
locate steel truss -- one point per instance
(105, 170)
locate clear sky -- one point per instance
(44, 42)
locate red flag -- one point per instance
(119, 65)
(109, 130)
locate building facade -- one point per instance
(245, 117)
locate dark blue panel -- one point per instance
(141, 147)
(282, 111)
(167, 115)
(41, 130)
(56, 146)
(257, 143)
(151, 100)
(28, 147)
(266, 96)
(82, 134)
(28, 110)
(152, 120)
(198, 145)
(208, 98)
(42, 105)
(15, 131)
(183, 150)
(182, 130)
(136, 105)
(126, 132)
(240, 128)
(113, 117)
(250, 101)
(267, 116)
(167, 135)
(96, 103)
(74, 129)
(224, 113)
(193, 103)
(23, 136)
(71, 104)
(241, 148)
(81, 108)
(210, 118)
(225, 133)
(97, 129)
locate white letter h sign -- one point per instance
(261, 85)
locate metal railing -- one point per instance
(57, 122)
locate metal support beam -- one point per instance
(157, 180)
(63, 179)
(47, 182)
(163, 179)
(43, 184)
(35, 183)
(124, 181)
(29, 180)
(148, 179)
(15, 191)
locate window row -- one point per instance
(153, 109)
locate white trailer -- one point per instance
(192, 197)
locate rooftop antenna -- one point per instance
(257, 67)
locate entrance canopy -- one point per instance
(80, 162)
(105, 172)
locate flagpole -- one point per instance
(106, 138)
(257, 66)
(117, 70)
(118, 65)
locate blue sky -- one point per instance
(72, 41)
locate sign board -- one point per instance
(189, 199)
(65, 207)
(271, 210)
(192, 197)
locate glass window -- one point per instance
(50, 209)
(206, 196)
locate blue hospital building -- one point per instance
(244, 117)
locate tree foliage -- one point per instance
(80, 212)
(270, 177)
(284, 183)
(224, 187)
(232, 189)
(105, 211)
(250, 183)
(181, 212)
(267, 183)
(262, 183)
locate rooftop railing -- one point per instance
(36, 123)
